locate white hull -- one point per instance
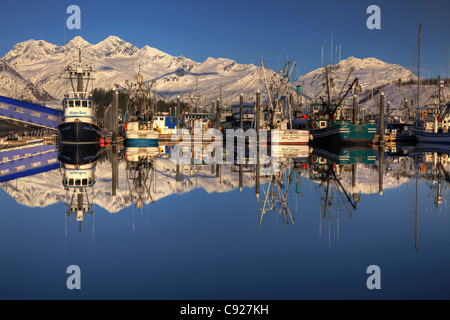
(142, 134)
(138, 154)
(297, 152)
(290, 137)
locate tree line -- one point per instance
(103, 99)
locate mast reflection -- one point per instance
(78, 163)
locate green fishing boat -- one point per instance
(331, 121)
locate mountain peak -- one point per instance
(113, 46)
(77, 42)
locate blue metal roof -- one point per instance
(26, 161)
(31, 106)
(30, 113)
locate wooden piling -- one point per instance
(241, 108)
(178, 112)
(381, 118)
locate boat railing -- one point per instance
(77, 95)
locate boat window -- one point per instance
(77, 182)
(77, 103)
(70, 182)
(90, 180)
(84, 103)
(70, 103)
(85, 182)
(89, 104)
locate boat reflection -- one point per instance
(341, 178)
(78, 163)
(139, 165)
(432, 162)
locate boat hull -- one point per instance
(290, 137)
(78, 154)
(298, 153)
(349, 155)
(79, 132)
(430, 137)
(345, 134)
(145, 143)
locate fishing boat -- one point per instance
(399, 131)
(165, 124)
(78, 123)
(138, 128)
(79, 163)
(433, 122)
(189, 120)
(278, 117)
(330, 121)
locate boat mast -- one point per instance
(418, 69)
(79, 73)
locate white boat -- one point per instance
(432, 123)
(290, 137)
(140, 132)
(141, 154)
(139, 129)
(299, 153)
(165, 124)
(433, 126)
(277, 116)
(79, 122)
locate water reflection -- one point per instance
(140, 175)
(356, 200)
(78, 162)
(139, 168)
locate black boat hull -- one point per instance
(79, 132)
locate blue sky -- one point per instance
(246, 30)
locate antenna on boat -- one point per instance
(331, 51)
(321, 53)
(418, 69)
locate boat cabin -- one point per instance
(77, 107)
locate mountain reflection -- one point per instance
(125, 177)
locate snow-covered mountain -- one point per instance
(371, 73)
(116, 61)
(13, 84)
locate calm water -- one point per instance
(196, 232)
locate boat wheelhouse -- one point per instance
(78, 121)
(165, 124)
